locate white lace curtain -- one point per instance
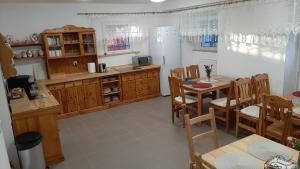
(196, 24)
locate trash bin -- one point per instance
(29, 146)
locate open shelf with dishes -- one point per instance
(111, 89)
(69, 49)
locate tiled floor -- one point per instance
(135, 136)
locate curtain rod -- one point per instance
(206, 5)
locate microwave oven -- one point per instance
(138, 61)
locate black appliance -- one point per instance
(138, 61)
(102, 68)
(21, 81)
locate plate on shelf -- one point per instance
(236, 161)
(267, 150)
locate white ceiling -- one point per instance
(95, 1)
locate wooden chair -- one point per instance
(179, 73)
(277, 113)
(225, 105)
(261, 87)
(246, 111)
(295, 125)
(179, 100)
(195, 157)
(193, 72)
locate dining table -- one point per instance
(241, 147)
(296, 107)
(217, 82)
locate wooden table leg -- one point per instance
(199, 106)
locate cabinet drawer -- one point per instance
(128, 77)
(141, 75)
(69, 84)
(78, 83)
(153, 73)
(91, 81)
(56, 86)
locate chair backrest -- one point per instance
(193, 72)
(243, 92)
(277, 109)
(176, 87)
(230, 95)
(179, 73)
(261, 86)
(192, 139)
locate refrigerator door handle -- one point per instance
(164, 60)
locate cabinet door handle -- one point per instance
(164, 60)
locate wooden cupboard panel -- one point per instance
(128, 77)
(80, 98)
(44, 122)
(141, 75)
(141, 84)
(58, 91)
(56, 86)
(141, 88)
(154, 86)
(72, 103)
(128, 90)
(153, 73)
(91, 95)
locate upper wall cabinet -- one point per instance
(68, 50)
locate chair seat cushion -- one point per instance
(222, 102)
(252, 111)
(275, 130)
(188, 99)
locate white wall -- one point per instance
(6, 124)
(243, 60)
(21, 20)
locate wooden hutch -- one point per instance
(68, 50)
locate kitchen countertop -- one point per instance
(115, 70)
(24, 106)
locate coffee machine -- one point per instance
(102, 68)
(22, 81)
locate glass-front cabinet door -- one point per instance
(54, 44)
(88, 43)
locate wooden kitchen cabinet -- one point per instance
(154, 83)
(141, 84)
(58, 91)
(40, 115)
(92, 93)
(87, 95)
(128, 87)
(128, 90)
(80, 97)
(71, 97)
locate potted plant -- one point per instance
(208, 70)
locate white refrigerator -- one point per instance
(165, 51)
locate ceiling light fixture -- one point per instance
(157, 1)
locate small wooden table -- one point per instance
(222, 83)
(239, 146)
